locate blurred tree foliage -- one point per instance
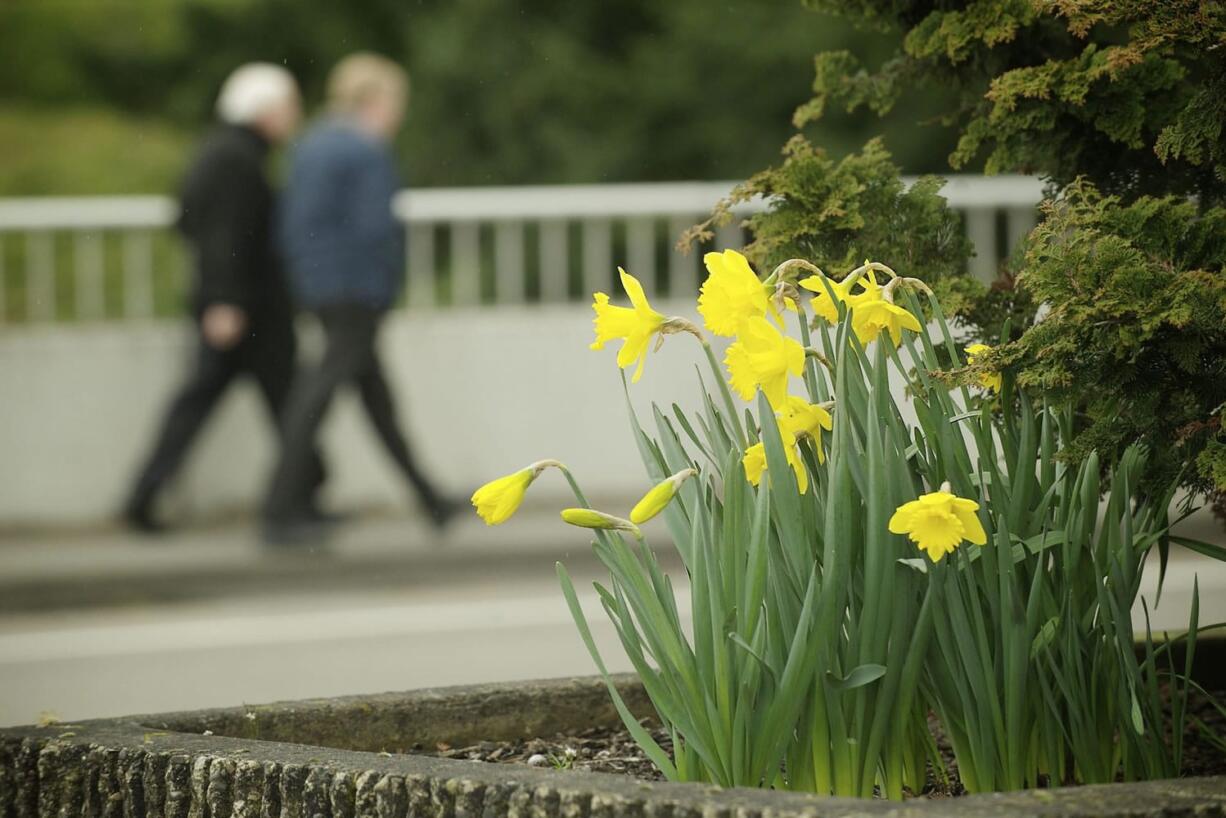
(1120, 104)
(505, 92)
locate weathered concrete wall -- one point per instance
(138, 768)
(484, 392)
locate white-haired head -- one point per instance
(256, 95)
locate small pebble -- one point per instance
(537, 760)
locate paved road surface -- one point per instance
(381, 624)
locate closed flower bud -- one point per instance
(591, 518)
(498, 499)
(655, 500)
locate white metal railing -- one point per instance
(89, 258)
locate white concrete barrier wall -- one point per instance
(483, 392)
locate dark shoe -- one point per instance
(296, 532)
(444, 512)
(140, 519)
(326, 518)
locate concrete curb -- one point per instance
(327, 758)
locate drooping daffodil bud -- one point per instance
(498, 499)
(938, 522)
(661, 495)
(591, 518)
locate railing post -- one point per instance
(981, 230)
(138, 275)
(509, 262)
(465, 264)
(40, 275)
(554, 280)
(3, 284)
(730, 236)
(89, 269)
(597, 255)
(641, 253)
(421, 265)
(1019, 221)
(682, 266)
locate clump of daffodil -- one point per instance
(732, 294)
(762, 357)
(498, 499)
(988, 380)
(635, 325)
(661, 495)
(938, 522)
(799, 419)
(591, 518)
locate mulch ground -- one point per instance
(608, 750)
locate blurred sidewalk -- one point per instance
(108, 623)
(85, 569)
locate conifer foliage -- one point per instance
(1117, 300)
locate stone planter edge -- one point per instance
(165, 766)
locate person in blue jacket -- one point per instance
(344, 252)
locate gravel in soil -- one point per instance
(597, 750)
(612, 750)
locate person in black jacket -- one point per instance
(240, 303)
(345, 254)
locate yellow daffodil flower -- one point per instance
(869, 318)
(763, 357)
(498, 499)
(938, 522)
(826, 307)
(732, 294)
(636, 325)
(661, 495)
(804, 418)
(798, 418)
(988, 380)
(754, 462)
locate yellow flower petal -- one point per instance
(869, 318)
(731, 294)
(754, 462)
(635, 326)
(965, 510)
(498, 499)
(938, 522)
(764, 358)
(988, 380)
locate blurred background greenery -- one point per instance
(106, 96)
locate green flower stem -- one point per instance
(734, 417)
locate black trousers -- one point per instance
(349, 358)
(267, 354)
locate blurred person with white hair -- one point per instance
(345, 255)
(240, 303)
